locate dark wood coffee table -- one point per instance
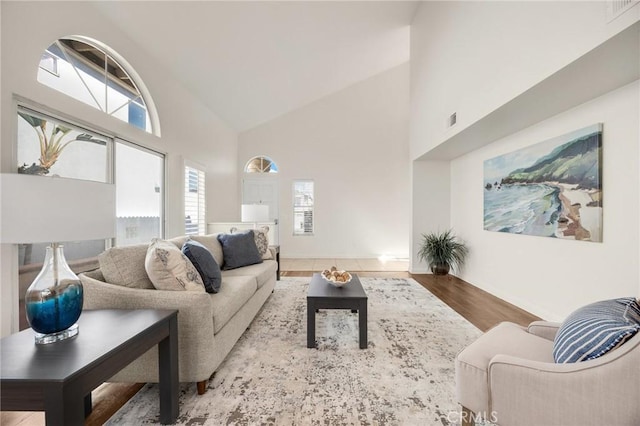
(58, 378)
(323, 295)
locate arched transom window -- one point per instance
(261, 165)
(82, 68)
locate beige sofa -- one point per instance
(209, 325)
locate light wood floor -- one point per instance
(477, 306)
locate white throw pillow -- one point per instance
(169, 269)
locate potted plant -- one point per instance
(442, 251)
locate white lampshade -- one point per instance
(255, 213)
(42, 209)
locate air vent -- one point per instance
(616, 8)
(453, 119)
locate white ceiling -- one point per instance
(250, 62)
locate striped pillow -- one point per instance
(596, 329)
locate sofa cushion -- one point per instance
(125, 266)
(169, 269)
(262, 271)
(239, 250)
(262, 242)
(596, 329)
(204, 263)
(261, 236)
(178, 241)
(233, 294)
(212, 244)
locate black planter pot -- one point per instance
(442, 269)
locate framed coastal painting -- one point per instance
(549, 189)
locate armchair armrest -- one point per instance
(600, 391)
(544, 329)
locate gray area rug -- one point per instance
(404, 377)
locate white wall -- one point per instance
(547, 276)
(354, 145)
(189, 130)
(430, 202)
(473, 57)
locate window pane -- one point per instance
(194, 201)
(139, 195)
(88, 74)
(303, 200)
(69, 151)
(261, 165)
(49, 62)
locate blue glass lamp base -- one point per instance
(43, 339)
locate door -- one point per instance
(261, 191)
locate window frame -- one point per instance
(296, 206)
(273, 166)
(144, 96)
(29, 107)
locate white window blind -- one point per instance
(194, 199)
(303, 202)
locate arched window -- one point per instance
(92, 73)
(261, 165)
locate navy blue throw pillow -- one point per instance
(205, 264)
(239, 250)
(596, 329)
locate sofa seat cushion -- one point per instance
(262, 271)
(472, 363)
(234, 293)
(125, 266)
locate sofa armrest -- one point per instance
(195, 313)
(544, 329)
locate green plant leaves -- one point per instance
(443, 248)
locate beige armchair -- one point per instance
(508, 377)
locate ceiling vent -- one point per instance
(453, 119)
(616, 8)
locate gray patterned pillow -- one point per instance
(169, 269)
(262, 241)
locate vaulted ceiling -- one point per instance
(250, 62)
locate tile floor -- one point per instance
(352, 265)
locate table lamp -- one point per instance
(254, 213)
(41, 209)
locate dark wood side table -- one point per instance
(322, 295)
(58, 378)
(276, 248)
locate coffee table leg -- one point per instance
(168, 365)
(88, 406)
(63, 406)
(362, 324)
(311, 325)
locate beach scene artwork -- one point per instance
(550, 189)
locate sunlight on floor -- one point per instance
(353, 265)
